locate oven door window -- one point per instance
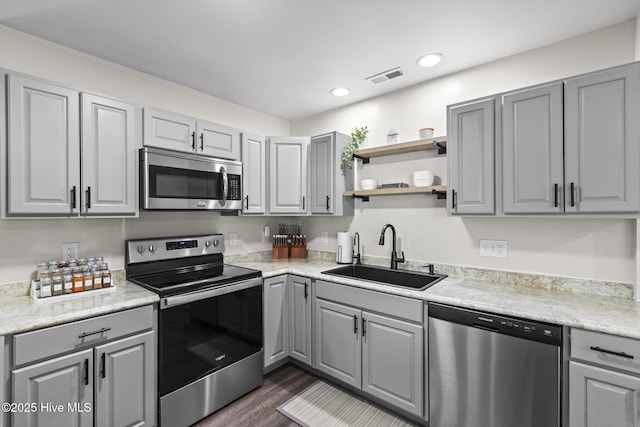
(177, 183)
(202, 337)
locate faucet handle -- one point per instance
(401, 259)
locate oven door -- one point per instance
(204, 332)
(171, 180)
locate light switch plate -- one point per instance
(324, 237)
(233, 239)
(493, 248)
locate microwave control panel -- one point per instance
(234, 187)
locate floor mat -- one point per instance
(323, 405)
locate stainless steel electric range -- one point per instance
(210, 344)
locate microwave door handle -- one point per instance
(225, 186)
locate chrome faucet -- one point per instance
(394, 255)
(356, 250)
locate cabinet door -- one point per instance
(276, 331)
(471, 158)
(125, 382)
(218, 141)
(322, 176)
(600, 397)
(392, 361)
(61, 388)
(338, 346)
(602, 131)
(254, 174)
(532, 150)
(109, 144)
(43, 148)
(288, 175)
(300, 336)
(169, 130)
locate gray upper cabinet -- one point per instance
(288, 175)
(110, 139)
(51, 140)
(532, 150)
(218, 141)
(327, 184)
(602, 134)
(43, 148)
(470, 154)
(254, 174)
(173, 131)
(300, 333)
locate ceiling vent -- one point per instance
(385, 75)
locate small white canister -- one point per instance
(344, 249)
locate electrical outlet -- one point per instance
(233, 239)
(70, 250)
(266, 234)
(325, 237)
(493, 248)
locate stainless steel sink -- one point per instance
(405, 279)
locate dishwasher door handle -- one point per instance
(485, 328)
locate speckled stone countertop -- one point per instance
(19, 313)
(608, 314)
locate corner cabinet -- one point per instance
(164, 129)
(47, 133)
(326, 180)
(471, 148)
(371, 341)
(106, 378)
(254, 174)
(300, 332)
(288, 175)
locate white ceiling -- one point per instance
(283, 56)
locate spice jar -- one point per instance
(88, 281)
(45, 274)
(78, 282)
(97, 278)
(67, 283)
(41, 267)
(106, 276)
(45, 287)
(57, 285)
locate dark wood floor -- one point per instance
(258, 408)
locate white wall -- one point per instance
(602, 249)
(25, 242)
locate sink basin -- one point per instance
(405, 279)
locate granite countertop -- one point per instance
(19, 313)
(612, 315)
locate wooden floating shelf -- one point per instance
(436, 143)
(396, 191)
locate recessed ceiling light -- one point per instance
(340, 91)
(430, 60)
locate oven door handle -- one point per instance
(176, 300)
(225, 186)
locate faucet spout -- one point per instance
(356, 250)
(394, 255)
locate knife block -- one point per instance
(298, 251)
(280, 252)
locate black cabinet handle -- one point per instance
(246, 199)
(614, 353)
(103, 368)
(328, 198)
(86, 371)
(193, 141)
(573, 201)
(355, 324)
(88, 334)
(73, 197)
(306, 291)
(555, 195)
(303, 208)
(88, 192)
(453, 199)
(202, 142)
(364, 328)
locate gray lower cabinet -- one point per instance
(100, 371)
(276, 321)
(470, 155)
(372, 341)
(300, 332)
(604, 380)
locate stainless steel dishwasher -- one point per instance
(487, 370)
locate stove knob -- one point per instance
(207, 243)
(152, 248)
(215, 242)
(140, 249)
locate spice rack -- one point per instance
(35, 293)
(57, 279)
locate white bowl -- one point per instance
(423, 178)
(369, 184)
(425, 133)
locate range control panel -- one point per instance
(145, 250)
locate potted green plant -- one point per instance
(356, 138)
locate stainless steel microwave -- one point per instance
(171, 180)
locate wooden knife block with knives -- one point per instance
(289, 246)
